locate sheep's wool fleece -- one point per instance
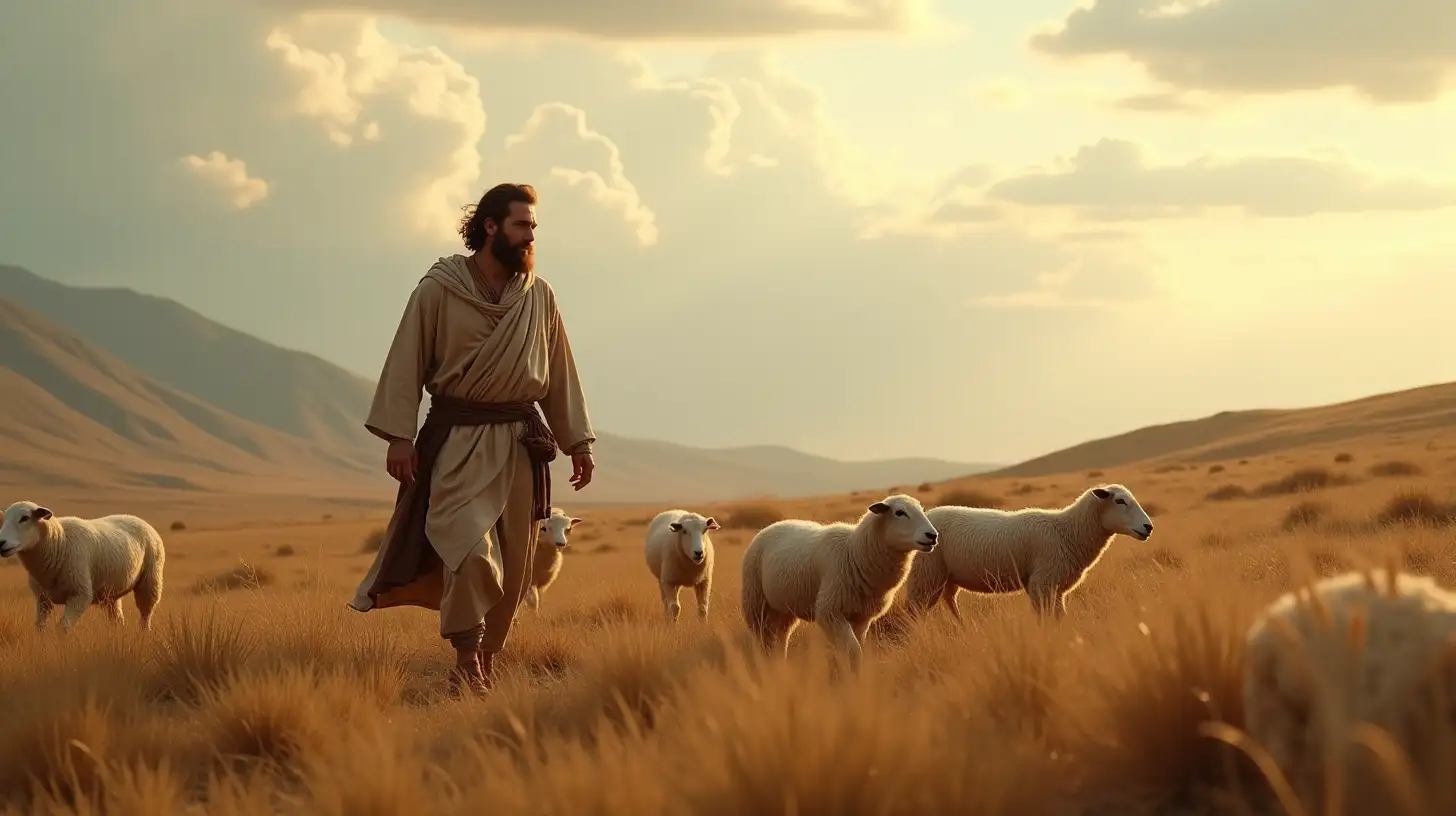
(454, 341)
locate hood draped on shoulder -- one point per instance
(453, 272)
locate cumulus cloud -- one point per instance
(1112, 180)
(229, 175)
(435, 86)
(1387, 51)
(650, 19)
(558, 129)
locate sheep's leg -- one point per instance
(43, 607)
(670, 606)
(148, 594)
(701, 591)
(113, 611)
(842, 635)
(533, 598)
(75, 607)
(949, 598)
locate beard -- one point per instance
(514, 258)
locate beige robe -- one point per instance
(452, 340)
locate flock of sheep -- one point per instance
(843, 576)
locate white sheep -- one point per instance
(551, 543)
(1369, 647)
(1046, 552)
(78, 562)
(839, 576)
(679, 552)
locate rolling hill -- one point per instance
(1242, 434)
(77, 415)
(156, 394)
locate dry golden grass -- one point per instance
(258, 691)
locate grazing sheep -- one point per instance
(839, 576)
(551, 542)
(1045, 552)
(679, 550)
(1361, 647)
(79, 562)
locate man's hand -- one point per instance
(401, 461)
(581, 470)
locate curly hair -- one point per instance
(494, 205)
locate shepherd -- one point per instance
(483, 335)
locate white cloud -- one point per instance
(1111, 179)
(557, 128)
(1387, 51)
(435, 87)
(229, 175)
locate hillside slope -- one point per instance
(322, 405)
(1241, 434)
(76, 415)
(289, 391)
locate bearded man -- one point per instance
(482, 334)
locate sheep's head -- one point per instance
(903, 523)
(20, 531)
(556, 526)
(692, 534)
(1119, 512)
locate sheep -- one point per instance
(679, 552)
(840, 576)
(1043, 551)
(80, 562)
(1361, 647)
(546, 564)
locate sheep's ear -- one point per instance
(713, 524)
(879, 508)
(574, 521)
(675, 527)
(1102, 492)
(41, 514)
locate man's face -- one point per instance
(514, 242)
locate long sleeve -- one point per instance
(565, 405)
(395, 412)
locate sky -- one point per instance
(864, 228)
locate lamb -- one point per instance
(80, 562)
(1362, 647)
(546, 564)
(1046, 552)
(679, 552)
(839, 576)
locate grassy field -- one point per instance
(260, 692)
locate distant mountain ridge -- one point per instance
(224, 407)
(1254, 432)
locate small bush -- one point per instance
(284, 550)
(1228, 492)
(1417, 508)
(1302, 481)
(243, 576)
(1395, 469)
(1304, 515)
(751, 516)
(373, 541)
(1344, 458)
(178, 525)
(1212, 469)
